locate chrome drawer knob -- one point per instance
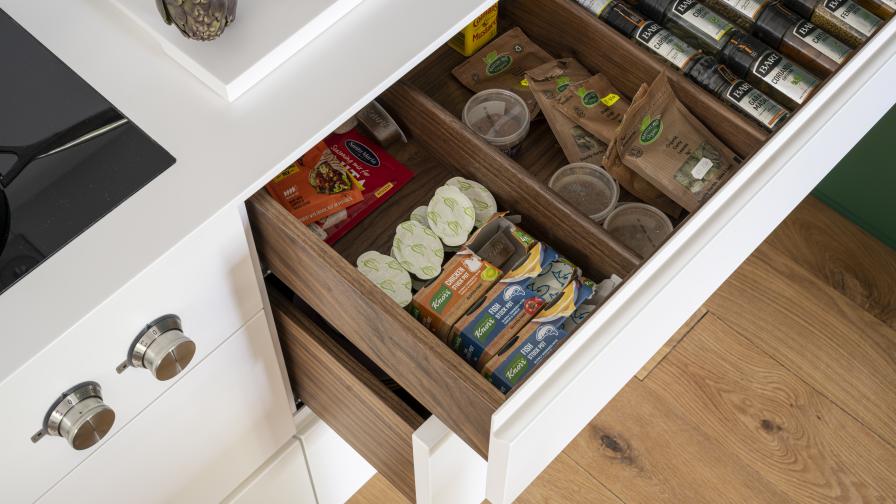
(162, 348)
(78, 415)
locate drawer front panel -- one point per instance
(346, 396)
(283, 479)
(201, 438)
(207, 280)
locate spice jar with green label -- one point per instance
(719, 80)
(650, 34)
(767, 69)
(884, 9)
(743, 13)
(810, 46)
(690, 20)
(844, 19)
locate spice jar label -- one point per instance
(749, 8)
(822, 41)
(663, 42)
(854, 15)
(596, 7)
(756, 104)
(785, 76)
(702, 18)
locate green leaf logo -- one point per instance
(562, 83)
(371, 264)
(407, 226)
(454, 226)
(481, 205)
(589, 98)
(650, 130)
(495, 64)
(428, 232)
(433, 217)
(429, 271)
(451, 203)
(468, 211)
(418, 249)
(388, 286)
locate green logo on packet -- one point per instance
(650, 129)
(589, 98)
(489, 274)
(562, 83)
(515, 369)
(495, 64)
(484, 328)
(440, 299)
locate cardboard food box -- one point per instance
(509, 305)
(378, 173)
(477, 33)
(537, 339)
(315, 186)
(467, 276)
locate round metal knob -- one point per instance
(162, 348)
(80, 416)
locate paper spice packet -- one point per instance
(529, 348)
(664, 143)
(509, 305)
(547, 82)
(378, 173)
(501, 65)
(595, 105)
(495, 248)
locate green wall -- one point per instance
(862, 186)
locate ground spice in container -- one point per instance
(663, 142)
(767, 69)
(810, 46)
(720, 81)
(844, 19)
(650, 34)
(743, 13)
(884, 9)
(691, 20)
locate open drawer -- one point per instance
(519, 434)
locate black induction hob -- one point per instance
(81, 157)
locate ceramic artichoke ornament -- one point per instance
(198, 19)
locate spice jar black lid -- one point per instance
(802, 7)
(774, 22)
(624, 19)
(705, 73)
(654, 9)
(741, 51)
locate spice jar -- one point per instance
(691, 21)
(650, 34)
(883, 9)
(743, 13)
(796, 38)
(844, 19)
(760, 65)
(746, 99)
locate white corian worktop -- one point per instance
(225, 151)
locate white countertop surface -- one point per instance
(225, 151)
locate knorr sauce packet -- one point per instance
(537, 339)
(501, 64)
(595, 105)
(451, 215)
(508, 306)
(469, 274)
(548, 82)
(387, 274)
(663, 142)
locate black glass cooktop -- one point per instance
(67, 156)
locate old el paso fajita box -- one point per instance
(537, 339)
(509, 304)
(468, 275)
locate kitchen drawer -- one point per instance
(207, 280)
(519, 434)
(201, 438)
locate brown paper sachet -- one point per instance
(501, 65)
(595, 105)
(547, 82)
(663, 142)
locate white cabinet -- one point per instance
(283, 479)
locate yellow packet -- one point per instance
(476, 34)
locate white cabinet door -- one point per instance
(283, 479)
(200, 439)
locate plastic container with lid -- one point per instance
(588, 188)
(650, 34)
(719, 80)
(767, 69)
(498, 116)
(691, 20)
(639, 227)
(810, 46)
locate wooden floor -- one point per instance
(781, 389)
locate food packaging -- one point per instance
(595, 105)
(387, 274)
(639, 227)
(315, 186)
(469, 274)
(529, 348)
(476, 34)
(500, 117)
(418, 250)
(451, 216)
(588, 188)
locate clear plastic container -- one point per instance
(498, 116)
(640, 227)
(587, 187)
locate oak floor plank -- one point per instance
(812, 330)
(566, 482)
(842, 255)
(644, 450)
(670, 344)
(377, 491)
(776, 424)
